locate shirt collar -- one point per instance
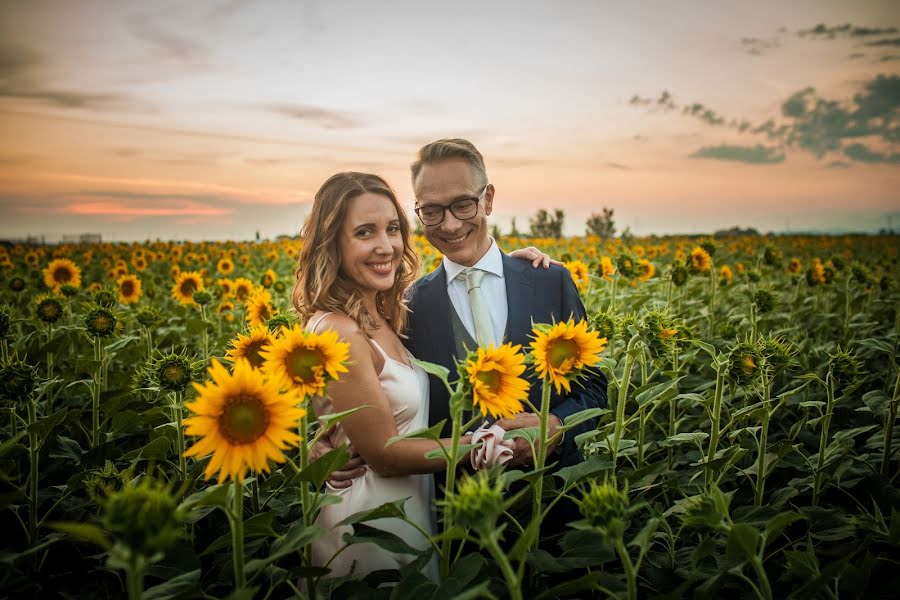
(491, 262)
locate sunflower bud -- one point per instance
(604, 507)
(202, 297)
(828, 273)
(144, 517)
(772, 256)
(744, 363)
(174, 372)
(884, 283)
(679, 275)
(477, 503)
(753, 276)
(706, 511)
(606, 324)
(106, 297)
(278, 321)
(147, 316)
(764, 300)
(709, 246)
(17, 284)
(48, 308)
(837, 262)
(659, 331)
(68, 290)
(846, 370)
(18, 381)
(626, 264)
(861, 274)
(99, 321)
(279, 286)
(777, 352)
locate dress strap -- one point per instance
(311, 327)
(380, 349)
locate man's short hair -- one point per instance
(450, 148)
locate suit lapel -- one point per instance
(519, 278)
(437, 345)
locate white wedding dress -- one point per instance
(407, 390)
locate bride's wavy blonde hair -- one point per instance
(320, 284)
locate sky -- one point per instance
(218, 120)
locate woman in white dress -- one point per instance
(356, 263)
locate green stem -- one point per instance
(456, 425)
(4, 350)
(205, 333)
(612, 300)
(49, 354)
(134, 577)
(712, 297)
(823, 438)
(763, 443)
(672, 408)
(237, 533)
(766, 591)
(753, 320)
(714, 424)
(889, 429)
(179, 434)
(513, 585)
(630, 575)
(305, 497)
(33, 456)
(622, 399)
(540, 460)
(95, 395)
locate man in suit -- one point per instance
(453, 308)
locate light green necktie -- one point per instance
(484, 328)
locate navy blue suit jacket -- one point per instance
(533, 295)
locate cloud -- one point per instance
(759, 46)
(754, 155)
(815, 124)
(838, 164)
(131, 211)
(20, 77)
(329, 119)
(889, 58)
(165, 43)
(619, 166)
(862, 153)
(846, 30)
(885, 42)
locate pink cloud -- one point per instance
(136, 210)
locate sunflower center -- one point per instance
(491, 379)
(244, 419)
(174, 374)
(252, 352)
(301, 363)
(188, 287)
(127, 288)
(560, 351)
(62, 275)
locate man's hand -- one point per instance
(343, 477)
(522, 455)
(530, 253)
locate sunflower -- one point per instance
(259, 308)
(307, 360)
(225, 310)
(248, 347)
(32, 259)
(795, 266)
(562, 351)
(725, 274)
(243, 420)
(580, 274)
(48, 308)
(701, 262)
(61, 271)
(185, 285)
(139, 263)
(268, 278)
(227, 287)
(129, 289)
(607, 268)
(243, 288)
(495, 377)
(645, 269)
(225, 266)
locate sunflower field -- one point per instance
(157, 429)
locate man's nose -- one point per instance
(450, 222)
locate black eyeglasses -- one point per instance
(463, 209)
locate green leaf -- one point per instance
(697, 437)
(174, 587)
(777, 524)
(462, 573)
(525, 542)
(214, 495)
(582, 416)
(439, 371)
(121, 343)
(256, 526)
(84, 532)
(574, 587)
(43, 427)
(590, 466)
(388, 510)
(877, 402)
(462, 449)
(661, 393)
(157, 449)
(330, 420)
(363, 534)
(431, 433)
(706, 347)
(317, 472)
(126, 421)
(296, 538)
(644, 537)
(7, 445)
(742, 542)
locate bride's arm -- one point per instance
(369, 429)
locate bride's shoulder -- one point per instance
(343, 325)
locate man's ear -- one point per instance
(489, 199)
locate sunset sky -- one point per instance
(215, 120)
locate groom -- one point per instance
(479, 295)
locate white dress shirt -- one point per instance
(493, 286)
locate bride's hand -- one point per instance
(535, 256)
(343, 477)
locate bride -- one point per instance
(357, 261)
